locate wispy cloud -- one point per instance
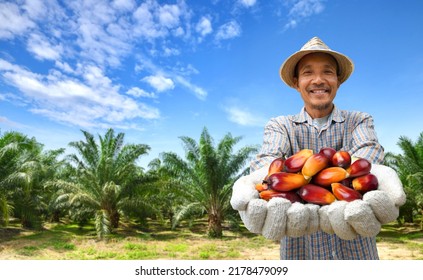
(13, 20)
(300, 10)
(228, 30)
(244, 117)
(159, 82)
(204, 27)
(93, 101)
(247, 3)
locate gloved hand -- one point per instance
(244, 189)
(273, 219)
(377, 207)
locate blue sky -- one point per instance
(158, 70)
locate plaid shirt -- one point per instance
(344, 130)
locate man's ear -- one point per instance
(295, 80)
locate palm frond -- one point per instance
(102, 223)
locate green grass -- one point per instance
(69, 242)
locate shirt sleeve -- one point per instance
(365, 143)
(275, 144)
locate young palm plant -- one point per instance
(105, 179)
(206, 176)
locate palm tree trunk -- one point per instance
(114, 218)
(215, 225)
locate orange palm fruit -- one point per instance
(296, 162)
(359, 167)
(330, 175)
(314, 164)
(315, 194)
(261, 187)
(277, 165)
(284, 181)
(365, 183)
(341, 159)
(342, 192)
(291, 195)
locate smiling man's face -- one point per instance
(317, 82)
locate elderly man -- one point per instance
(317, 72)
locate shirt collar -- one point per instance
(304, 117)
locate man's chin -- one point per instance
(321, 106)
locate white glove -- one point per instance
(339, 225)
(298, 219)
(273, 219)
(255, 215)
(360, 216)
(378, 207)
(274, 226)
(314, 220)
(390, 183)
(324, 221)
(244, 189)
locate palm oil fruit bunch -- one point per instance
(318, 178)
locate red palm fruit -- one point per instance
(342, 192)
(341, 159)
(330, 175)
(316, 194)
(328, 152)
(347, 182)
(359, 167)
(277, 165)
(261, 187)
(365, 183)
(291, 195)
(314, 164)
(295, 162)
(284, 181)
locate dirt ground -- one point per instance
(387, 251)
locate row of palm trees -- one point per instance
(102, 182)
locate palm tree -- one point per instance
(21, 175)
(409, 166)
(24, 170)
(105, 179)
(207, 175)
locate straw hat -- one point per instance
(287, 70)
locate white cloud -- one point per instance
(198, 91)
(243, 117)
(228, 30)
(42, 49)
(124, 4)
(204, 26)
(247, 3)
(13, 21)
(138, 92)
(159, 82)
(94, 101)
(7, 122)
(169, 15)
(302, 9)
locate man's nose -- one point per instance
(318, 79)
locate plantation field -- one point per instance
(68, 242)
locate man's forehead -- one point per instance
(326, 59)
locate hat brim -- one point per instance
(287, 69)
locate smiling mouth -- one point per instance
(319, 91)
